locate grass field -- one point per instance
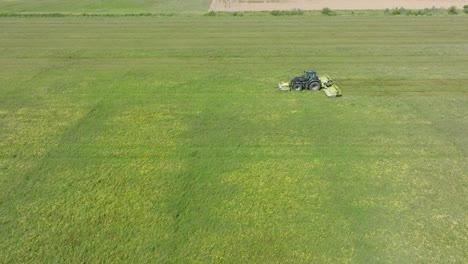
(103, 6)
(151, 139)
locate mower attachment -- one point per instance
(329, 87)
(284, 86)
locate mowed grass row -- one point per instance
(165, 139)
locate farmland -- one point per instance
(268, 5)
(164, 139)
(103, 6)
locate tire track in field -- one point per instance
(206, 156)
(38, 187)
(104, 176)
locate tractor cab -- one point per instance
(310, 75)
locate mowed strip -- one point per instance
(165, 139)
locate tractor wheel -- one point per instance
(297, 87)
(314, 86)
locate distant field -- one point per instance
(260, 5)
(164, 139)
(103, 6)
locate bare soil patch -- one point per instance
(268, 5)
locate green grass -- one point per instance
(151, 139)
(103, 6)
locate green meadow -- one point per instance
(165, 139)
(103, 6)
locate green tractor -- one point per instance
(310, 81)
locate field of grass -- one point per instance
(103, 6)
(150, 139)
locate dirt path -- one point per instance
(267, 5)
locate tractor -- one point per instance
(312, 82)
(307, 81)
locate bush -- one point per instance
(452, 10)
(294, 12)
(328, 12)
(417, 12)
(426, 12)
(211, 13)
(465, 9)
(420, 12)
(398, 11)
(276, 13)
